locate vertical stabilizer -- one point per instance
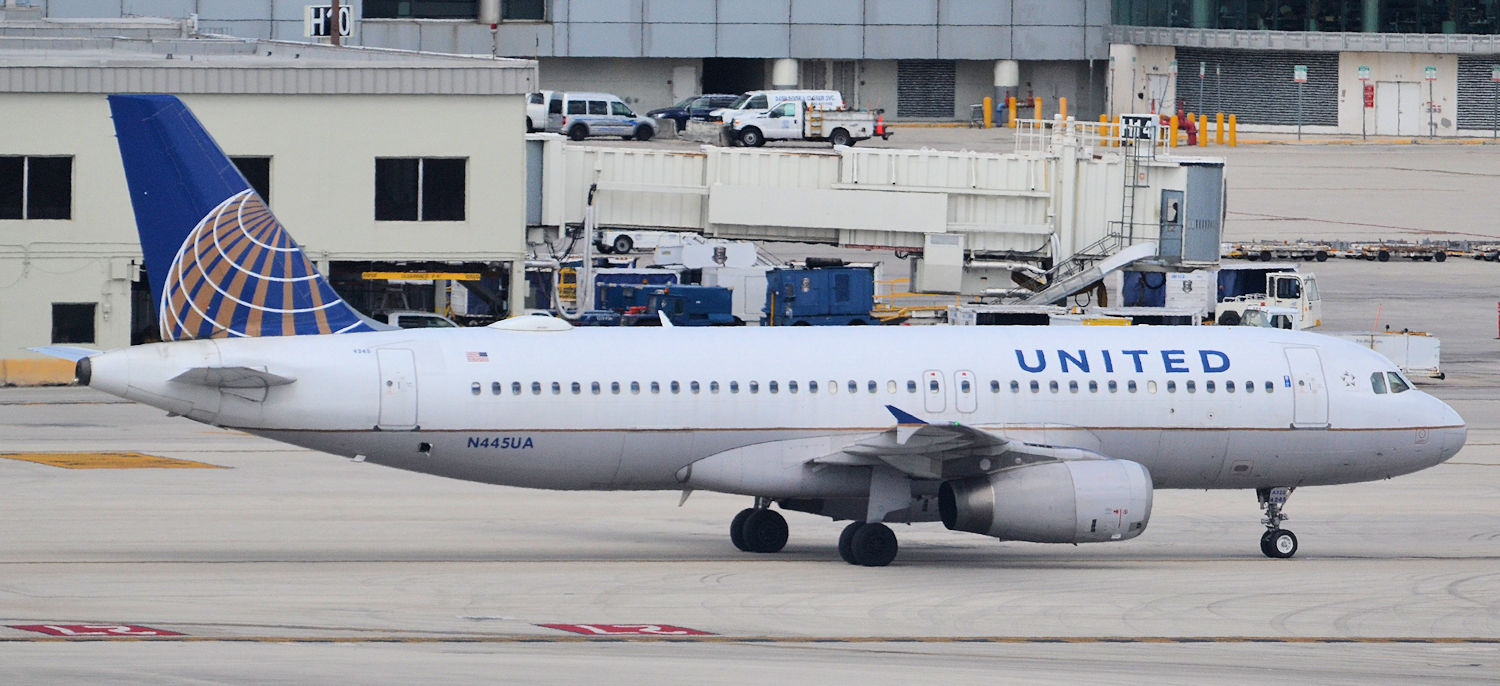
(220, 263)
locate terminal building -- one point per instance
(338, 140)
(917, 59)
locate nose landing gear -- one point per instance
(1275, 542)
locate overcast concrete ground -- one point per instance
(409, 578)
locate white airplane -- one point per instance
(1039, 434)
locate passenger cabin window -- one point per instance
(635, 388)
(1192, 386)
(1377, 383)
(594, 388)
(1015, 386)
(1398, 384)
(1036, 387)
(854, 387)
(536, 388)
(1270, 387)
(515, 388)
(577, 388)
(772, 387)
(1171, 386)
(476, 388)
(495, 388)
(1228, 386)
(614, 387)
(713, 386)
(676, 388)
(734, 387)
(655, 387)
(1113, 387)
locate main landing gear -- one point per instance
(759, 529)
(1276, 541)
(868, 545)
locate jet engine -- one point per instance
(1075, 501)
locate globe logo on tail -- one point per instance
(238, 273)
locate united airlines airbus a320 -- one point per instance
(1041, 434)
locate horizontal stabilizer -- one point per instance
(232, 377)
(66, 352)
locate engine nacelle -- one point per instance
(1076, 501)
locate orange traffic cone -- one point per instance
(880, 127)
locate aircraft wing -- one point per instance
(71, 353)
(946, 451)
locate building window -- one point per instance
(256, 170)
(73, 322)
(523, 10)
(421, 9)
(36, 187)
(423, 189)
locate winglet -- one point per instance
(71, 353)
(903, 417)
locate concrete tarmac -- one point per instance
(291, 566)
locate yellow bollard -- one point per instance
(1104, 130)
(1202, 130)
(1012, 104)
(989, 114)
(1234, 132)
(1172, 132)
(1114, 131)
(1219, 128)
(1036, 106)
(1062, 107)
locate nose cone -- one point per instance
(1454, 431)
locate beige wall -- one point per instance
(322, 187)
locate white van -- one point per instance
(536, 110)
(760, 101)
(580, 115)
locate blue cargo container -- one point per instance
(825, 296)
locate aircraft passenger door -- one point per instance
(932, 391)
(965, 387)
(1309, 392)
(398, 389)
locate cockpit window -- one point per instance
(1398, 384)
(1377, 382)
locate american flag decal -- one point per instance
(478, 356)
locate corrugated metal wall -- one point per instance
(1476, 92)
(924, 88)
(1257, 87)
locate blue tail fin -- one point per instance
(220, 263)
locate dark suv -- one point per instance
(695, 107)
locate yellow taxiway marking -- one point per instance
(110, 460)
(538, 638)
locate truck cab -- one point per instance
(1295, 291)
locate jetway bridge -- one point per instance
(1072, 194)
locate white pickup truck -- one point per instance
(800, 121)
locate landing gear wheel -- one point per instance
(1279, 543)
(1276, 542)
(764, 531)
(737, 529)
(873, 545)
(846, 542)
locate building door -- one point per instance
(1309, 393)
(398, 390)
(684, 82)
(1398, 108)
(934, 399)
(1158, 85)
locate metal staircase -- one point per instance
(1081, 269)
